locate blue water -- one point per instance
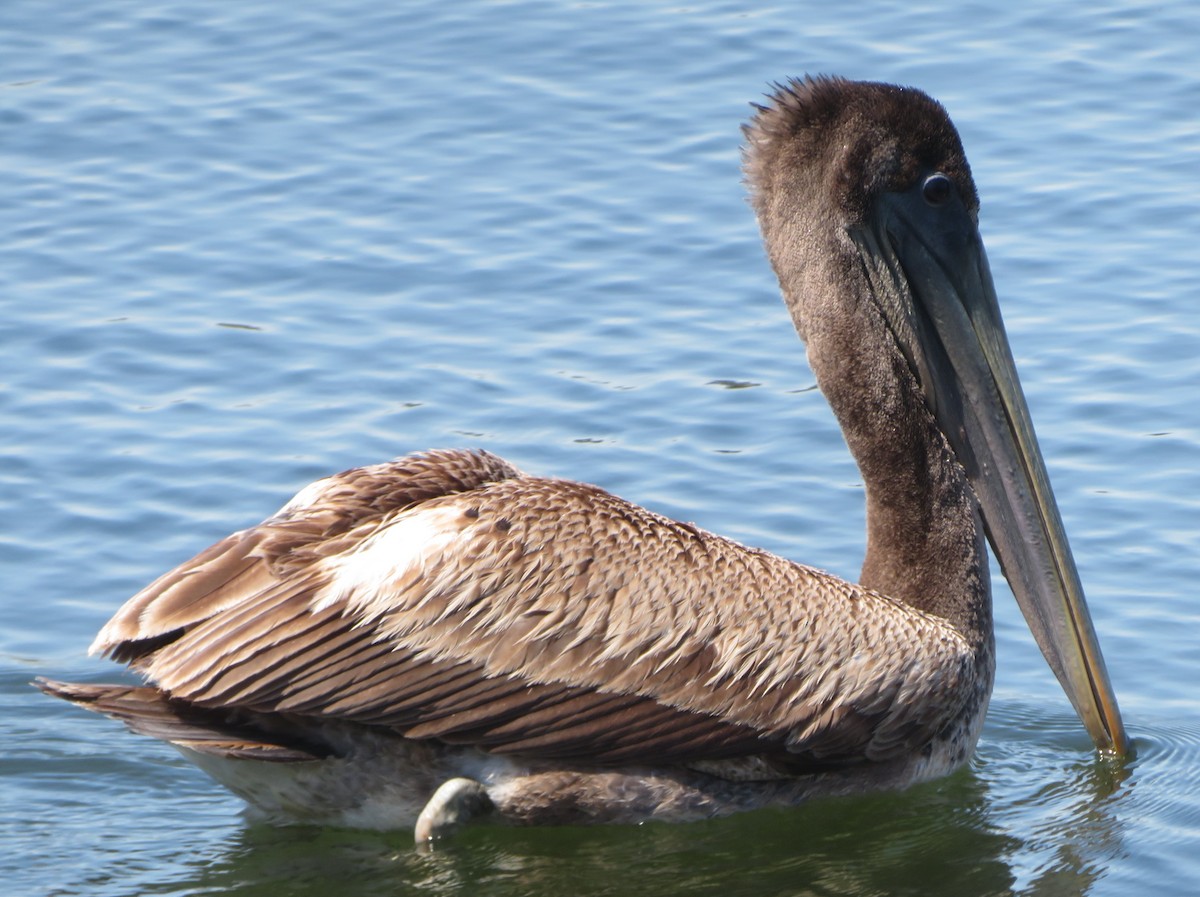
(245, 245)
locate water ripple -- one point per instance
(243, 251)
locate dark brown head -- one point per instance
(839, 143)
(818, 158)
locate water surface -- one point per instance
(247, 245)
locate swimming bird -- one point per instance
(443, 637)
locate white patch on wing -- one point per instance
(400, 550)
(306, 497)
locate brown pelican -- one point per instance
(443, 637)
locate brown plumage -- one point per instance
(627, 664)
(556, 620)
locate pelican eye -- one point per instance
(937, 189)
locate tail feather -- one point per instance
(148, 711)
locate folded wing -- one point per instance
(448, 596)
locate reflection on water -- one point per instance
(1076, 843)
(1059, 795)
(948, 837)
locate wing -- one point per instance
(448, 596)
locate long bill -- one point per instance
(953, 335)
